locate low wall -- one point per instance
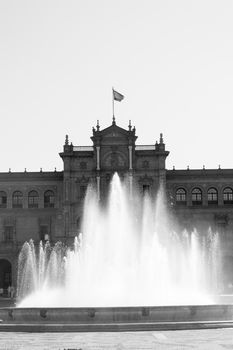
(117, 315)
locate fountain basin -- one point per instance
(128, 254)
(116, 318)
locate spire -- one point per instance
(98, 126)
(161, 138)
(113, 120)
(161, 145)
(67, 146)
(130, 126)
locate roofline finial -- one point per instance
(130, 126)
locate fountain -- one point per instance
(128, 255)
(129, 269)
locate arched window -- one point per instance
(228, 195)
(33, 199)
(212, 196)
(9, 233)
(17, 199)
(196, 196)
(181, 196)
(49, 199)
(3, 199)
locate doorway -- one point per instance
(5, 275)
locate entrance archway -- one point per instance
(5, 274)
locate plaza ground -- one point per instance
(176, 340)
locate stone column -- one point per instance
(130, 171)
(130, 158)
(98, 171)
(98, 157)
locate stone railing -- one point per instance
(145, 148)
(83, 148)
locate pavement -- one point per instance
(207, 339)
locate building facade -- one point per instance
(49, 205)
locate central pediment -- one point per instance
(113, 134)
(114, 131)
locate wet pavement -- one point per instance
(182, 340)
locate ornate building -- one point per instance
(48, 205)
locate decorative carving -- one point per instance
(146, 180)
(114, 160)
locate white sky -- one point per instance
(173, 61)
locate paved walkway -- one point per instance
(176, 340)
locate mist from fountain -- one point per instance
(127, 255)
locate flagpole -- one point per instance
(113, 116)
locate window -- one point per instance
(212, 196)
(3, 199)
(49, 199)
(181, 197)
(196, 196)
(9, 233)
(33, 199)
(7, 278)
(228, 195)
(44, 233)
(145, 189)
(17, 199)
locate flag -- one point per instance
(117, 96)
